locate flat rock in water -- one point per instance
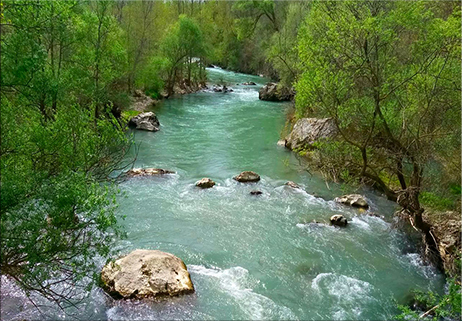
(247, 176)
(145, 121)
(146, 273)
(205, 183)
(354, 200)
(148, 172)
(338, 220)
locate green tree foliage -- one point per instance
(434, 306)
(183, 44)
(282, 52)
(384, 71)
(59, 143)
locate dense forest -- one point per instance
(387, 73)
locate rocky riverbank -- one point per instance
(440, 246)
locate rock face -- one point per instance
(247, 176)
(256, 192)
(148, 172)
(306, 131)
(354, 200)
(205, 183)
(446, 230)
(145, 121)
(274, 92)
(292, 184)
(338, 220)
(146, 273)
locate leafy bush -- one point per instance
(434, 306)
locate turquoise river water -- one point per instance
(253, 257)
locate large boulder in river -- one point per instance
(205, 183)
(275, 92)
(145, 121)
(355, 200)
(338, 220)
(148, 172)
(146, 273)
(247, 176)
(306, 131)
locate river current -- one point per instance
(251, 257)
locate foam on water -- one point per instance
(416, 261)
(237, 283)
(350, 294)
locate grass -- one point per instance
(127, 114)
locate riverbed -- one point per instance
(254, 257)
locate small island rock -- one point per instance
(148, 172)
(146, 273)
(247, 176)
(354, 200)
(338, 220)
(205, 183)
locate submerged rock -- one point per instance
(146, 273)
(205, 183)
(354, 200)
(292, 184)
(275, 92)
(307, 131)
(375, 215)
(247, 176)
(256, 192)
(338, 220)
(221, 89)
(145, 121)
(148, 172)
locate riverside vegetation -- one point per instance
(386, 73)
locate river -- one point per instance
(254, 257)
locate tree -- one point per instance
(282, 52)
(384, 71)
(57, 199)
(183, 43)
